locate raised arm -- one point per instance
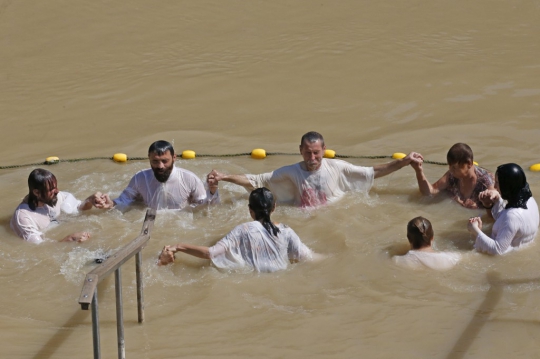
(387, 168)
(426, 188)
(240, 180)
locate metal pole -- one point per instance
(95, 326)
(140, 298)
(119, 315)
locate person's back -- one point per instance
(250, 245)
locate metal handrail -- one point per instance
(113, 263)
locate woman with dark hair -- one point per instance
(422, 255)
(514, 209)
(261, 245)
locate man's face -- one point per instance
(49, 196)
(162, 165)
(313, 153)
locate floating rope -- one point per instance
(188, 154)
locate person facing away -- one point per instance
(422, 255)
(514, 209)
(463, 181)
(315, 181)
(41, 207)
(164, 186)
(260, 245)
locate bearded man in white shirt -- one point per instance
(164, 186)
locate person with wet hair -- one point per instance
(43, 204)
(464, 181)
(422, 255)
(260, 245)
(514, 209)
(316, 180)
(163, 185)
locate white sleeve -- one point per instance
(128, 195)
(503, 239)
(297, 250)
(26, 228)
(70, 204)
(357, 177)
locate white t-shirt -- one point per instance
(249, 245)
(292, 184)
(29, 225)
(421, 259)
(181, 189)
(513, 228)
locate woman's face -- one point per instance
(460, 170)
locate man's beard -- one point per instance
(51, 202)
(164, 175)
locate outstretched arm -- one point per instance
(387, 168)
(240, 180)
(167, 254)
(76, 237)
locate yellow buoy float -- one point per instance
(51, 160)
(398, 155)
(188, 154)
(475, 163)
(119, 157)
(535, 167)
(329, 153)
(258, 154)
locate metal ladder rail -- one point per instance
(113, 263)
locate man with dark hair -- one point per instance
(43, 204)
(164, 186)
(316, 180)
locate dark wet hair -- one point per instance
(311, 137)
(513, 185)
(262, 202)
(459, 153)
(160, 147)
(41, 180)
(419, 232)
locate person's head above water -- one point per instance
(419, 233)
(162, 157)
(312, 150)
(511, 182)
(42, 187)
(460, 154)
(261, 204)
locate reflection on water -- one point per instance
(93, 79)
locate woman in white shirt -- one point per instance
(514, 209)
(422, 255)
(260, 245)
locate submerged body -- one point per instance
(416, 259)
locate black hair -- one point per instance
(262, 203)
(311, 137)
(42, 180)
(459, 153)
(513, 185)
(160, 147)
(419, 232)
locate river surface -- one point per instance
(82, 79)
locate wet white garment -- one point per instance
(30, 225)
(421, 259)
(181, 189)
(292, 184)
(513, 228)
(250, 246)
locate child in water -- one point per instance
(420, 235)
(464, 181)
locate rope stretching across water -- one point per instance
(199, 155)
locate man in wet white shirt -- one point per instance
(315, 181)
(164, 186)
(41, 207)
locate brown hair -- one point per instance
(419, 232)
(459, 153)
